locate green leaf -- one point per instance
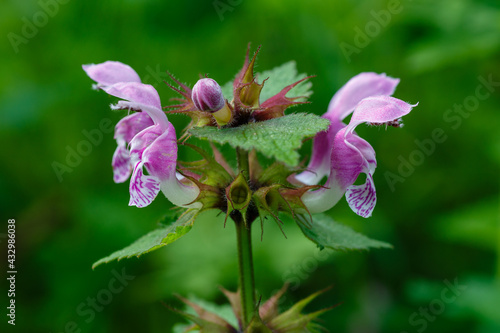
(326, 232)
(279, 78)
(227, 90)
(155, 239)
(276, 138)
(282, 76)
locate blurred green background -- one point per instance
(441, 215)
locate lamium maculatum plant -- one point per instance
(252, 115)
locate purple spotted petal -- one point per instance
(135, 92)
(362, 198)
(359, 87)
(111, 72)
(130, 125)
(143, 189)
(122, 166)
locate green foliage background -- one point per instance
(443, 220)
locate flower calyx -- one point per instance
(246, 90)
(277, 194)
(238, 195)
(210, 176)
(266, 192)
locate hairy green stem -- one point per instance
(244, 240)
(243, 165)
(246, 276)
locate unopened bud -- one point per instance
(207, 95)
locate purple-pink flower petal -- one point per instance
(379, 110)
(160, 159)
(160, 156)
(152, 139)
(143, 140)
(156, 149)
(125, 130)
(319, 165)
(111, 72)
(362, 198)
(121, 164)
(130, 125)
(349, 154)
(341, 105)
(347, 163)
(135, 92)
(357, 88)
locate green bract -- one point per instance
(277, 78)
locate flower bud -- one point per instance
(207, 95)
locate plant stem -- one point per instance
(246, 277)
(243, 166)
(244, 240)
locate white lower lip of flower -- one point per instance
(180, 194)
(312, 178)
(318, 201)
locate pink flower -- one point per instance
(341, 154)
(152, 138)
(106, 75)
